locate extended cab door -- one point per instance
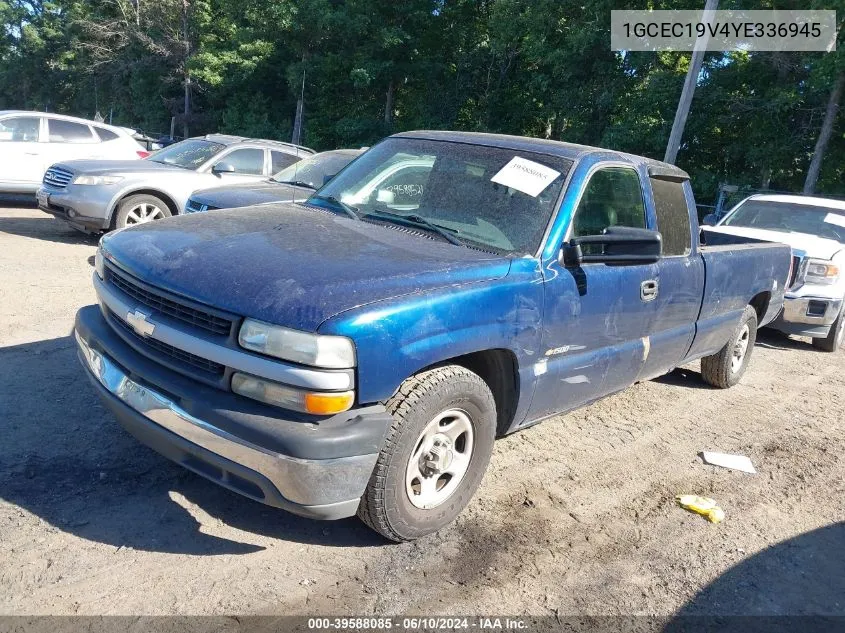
(597, 317)
(680, 274)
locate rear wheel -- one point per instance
(834, 339)
(725, 368)
(434, 456)
(140, 209)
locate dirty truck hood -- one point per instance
(289, 264)
(810, 245)
(246, 194)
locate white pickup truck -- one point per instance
(814, 304)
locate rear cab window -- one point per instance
(673, 220)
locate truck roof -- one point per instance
(830, 203)
(572, 151)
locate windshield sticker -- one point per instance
(835, 218)
(525, 176)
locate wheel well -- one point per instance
(497, 368)
(171, 205)
(760, 303)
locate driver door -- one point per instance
(597, 317)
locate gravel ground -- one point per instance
(575, 516)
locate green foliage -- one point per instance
(374, 67)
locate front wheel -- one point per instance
(140, 209)
(834, 339)
(434, 455)
(725, 368)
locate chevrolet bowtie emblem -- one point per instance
(138, 321)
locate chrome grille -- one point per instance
(58, 177)
(194, 361)
(165, 304)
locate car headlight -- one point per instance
(97, 180)
(99, 264)
(820, 271)
(271, 392)
(316, 350)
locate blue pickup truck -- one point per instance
(358, 352)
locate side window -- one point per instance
(69, 132)
(281, 160)
(105, 135)
(673, 222)
(613, 197)
(406, 186)
(246, 161)
(20, 129)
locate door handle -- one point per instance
(648, 290)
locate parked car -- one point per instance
(296, 182)
(98, 195)
(815, 229)
(334, 359)
(32, 141)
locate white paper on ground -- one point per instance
(735, 462)
(526, 176)
(835, 218)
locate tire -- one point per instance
(140, 209)
(725, 368)
(408, 498)
(834, 339)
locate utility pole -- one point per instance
(689, 86)
(825, 133)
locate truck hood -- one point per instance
(96, 167)
(811, 245)
(246, 194)
(290, 264)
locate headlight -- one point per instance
(820, 271)
(290, 397)
(99, 266)
(317, 350)
(97, 180)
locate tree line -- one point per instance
(358, 70)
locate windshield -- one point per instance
(789, 217)
(188, 154)
(315, 171)
(489, 197)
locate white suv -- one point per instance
(32, 141)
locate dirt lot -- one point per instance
(575, 516)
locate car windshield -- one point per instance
(487, 197)
(316, 170)
(789, 217)
(187, 154)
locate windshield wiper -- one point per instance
(418, 220)
(348, 209)
(295, 183)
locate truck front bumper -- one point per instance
(178, 428)
(807, 315)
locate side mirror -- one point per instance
(386, 196)
(222, 168)
(617, 245)
(328, 177)
(709, 220)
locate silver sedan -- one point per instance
(99, 195)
